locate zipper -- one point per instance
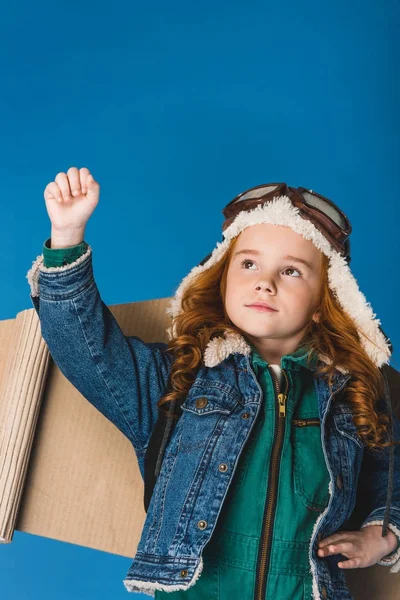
(305, 422)
(264, 550)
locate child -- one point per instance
(283, 468)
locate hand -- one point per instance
(363, 548)
(71, 198)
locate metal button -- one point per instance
(324, 592)
(202, 524)
(201, 402)
(223, 467)
(245, 415)
(339, 482)
(184, 573)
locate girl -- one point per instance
(265, 424)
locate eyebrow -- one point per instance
(287, 257)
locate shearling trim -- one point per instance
(281, 211)
(395, 559)
(221, 347)
(37, 266)
(148, 587)
(313, 569)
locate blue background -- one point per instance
(175, 108)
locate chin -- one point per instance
(256, 332)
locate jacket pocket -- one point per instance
(202, 412)
(311, 476)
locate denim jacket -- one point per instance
(124, 377)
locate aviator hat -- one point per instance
(315, 218)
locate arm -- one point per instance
(122, 376)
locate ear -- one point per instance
(316, 317)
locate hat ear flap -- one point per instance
(346, 251)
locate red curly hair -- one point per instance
(203, 316)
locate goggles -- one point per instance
(322, 212)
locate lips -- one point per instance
(262, 306)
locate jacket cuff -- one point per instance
(70, 276)
(392, 559)
(57, 257)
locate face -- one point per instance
(259, 272)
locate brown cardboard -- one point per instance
(82, 484)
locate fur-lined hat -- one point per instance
(315, 218)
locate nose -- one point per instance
(266, 285)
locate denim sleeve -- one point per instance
(122, 376)
(372, 490)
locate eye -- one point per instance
(292, 269)
(246, 260)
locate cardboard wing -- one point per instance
(67, 472)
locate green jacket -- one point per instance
(246, 519)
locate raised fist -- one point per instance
(71, 199)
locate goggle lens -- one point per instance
(329, 210)
(256, 193)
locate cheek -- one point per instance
(232, 292)
(303, 302)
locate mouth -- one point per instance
(261, 308)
